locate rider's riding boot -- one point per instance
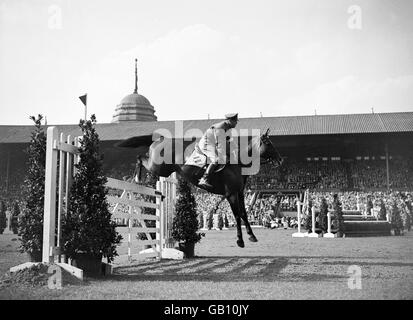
(204, 181)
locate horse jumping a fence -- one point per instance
(62, 154)
(228, 182)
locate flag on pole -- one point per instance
(83, 99)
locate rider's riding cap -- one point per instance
(232, 116)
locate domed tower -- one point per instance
(134, 107)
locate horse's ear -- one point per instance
(267, 132)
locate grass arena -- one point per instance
(276, 267)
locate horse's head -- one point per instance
(268, 153)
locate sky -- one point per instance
(204, 58)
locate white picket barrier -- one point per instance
(162, 246)
(132, 199)
(63, 153)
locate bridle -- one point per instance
(266, 140)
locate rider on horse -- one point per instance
(211, 145)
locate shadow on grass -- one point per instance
(247, 269)
(216, 269)
(369, 263)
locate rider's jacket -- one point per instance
(215, 143)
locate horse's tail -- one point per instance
(160, 169)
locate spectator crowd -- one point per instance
(279, 211)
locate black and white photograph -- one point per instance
(206, 156)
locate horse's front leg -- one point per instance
(234, 203)
(243, 214)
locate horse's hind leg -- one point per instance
(243, 213)
(234, 203)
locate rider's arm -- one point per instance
(220, 142)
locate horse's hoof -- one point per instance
(253, 239)
(240, 243)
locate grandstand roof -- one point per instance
(279, 126)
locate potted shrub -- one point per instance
(338, 217)
(88, 232)
(409, 213)
(185, 223)
(308, 222)
(31, 219)
(323, 221)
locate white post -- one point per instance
(313, 234)
(49, 218)
(313, 219)
(298, 234)
(161, 187)
(166, 189)
(171, 210)
(329, 234)
(62, 159)
(69, 173)
(130, 226)
(160, 223)
(329, 222)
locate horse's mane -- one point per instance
(254, 143)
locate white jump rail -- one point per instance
(134, 212)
